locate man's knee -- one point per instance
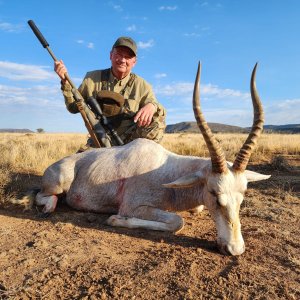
(155, 131)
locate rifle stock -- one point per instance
(87, 116)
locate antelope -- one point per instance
(143, 185)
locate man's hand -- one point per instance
(60, 69)
(145, 114)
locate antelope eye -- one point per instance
(218, 202)
(214, 193)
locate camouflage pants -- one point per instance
(154, 131)
(129, 131)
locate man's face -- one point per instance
(122, 61)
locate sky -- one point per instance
(227, 36)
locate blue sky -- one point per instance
(227, 36)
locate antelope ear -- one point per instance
(187, 181)
(254, 176)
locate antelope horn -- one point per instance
(243, 156)
(218, 160)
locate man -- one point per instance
(126, 99)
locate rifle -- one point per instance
(97, 133)
(95, 107)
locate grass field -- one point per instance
(75, 255)
(34, 152)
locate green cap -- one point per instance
(128, 42)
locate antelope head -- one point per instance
(225, 184)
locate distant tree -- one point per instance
(40, 130)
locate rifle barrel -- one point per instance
(45, 44)
(76, 94)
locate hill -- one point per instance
(192, 127)
(16, 130)
(289, 128)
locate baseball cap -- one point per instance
(126, 42)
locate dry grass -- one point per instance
(32, 153)
(269, 145)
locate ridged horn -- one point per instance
(245, 152)
(218, 160)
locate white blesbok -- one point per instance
(142, 184)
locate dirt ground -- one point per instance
(74, 255)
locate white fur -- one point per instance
(142, 184)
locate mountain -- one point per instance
(289, 128)
(16, 130)
(192, 127)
